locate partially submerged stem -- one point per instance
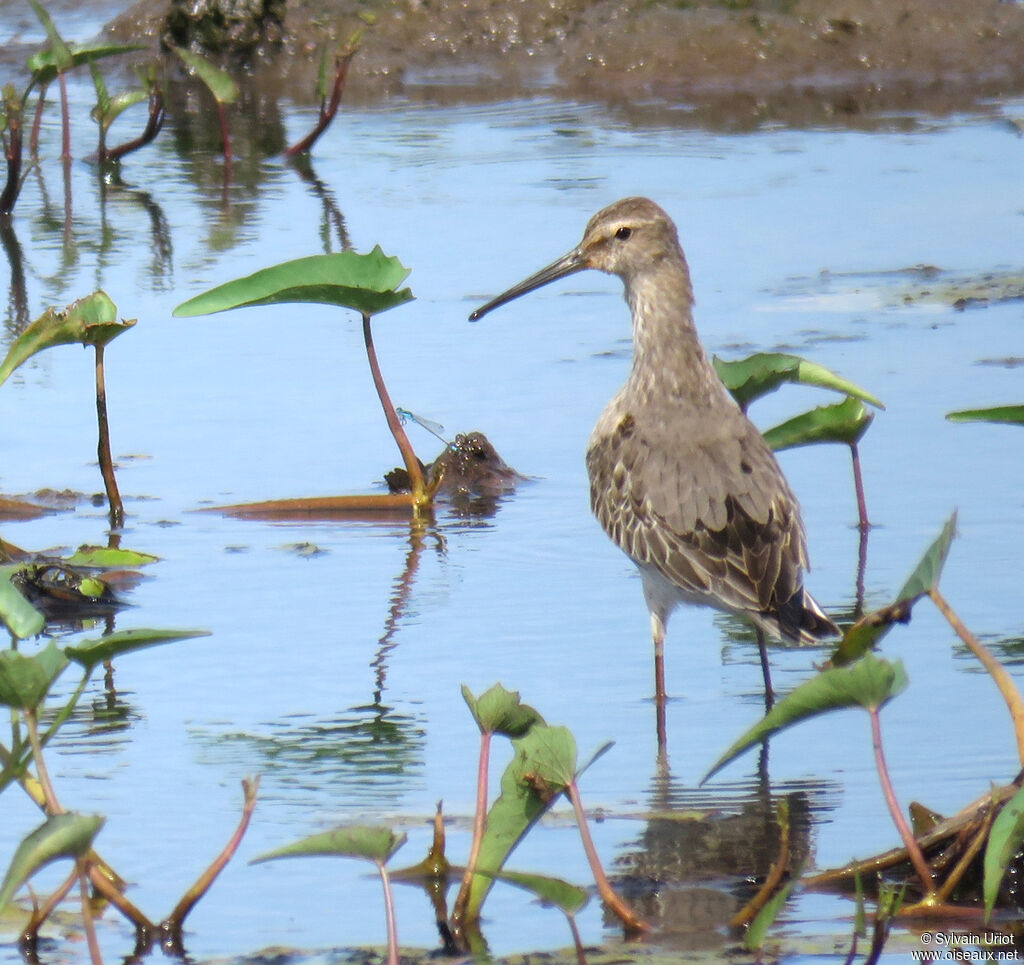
(858, 484)
(30, 933)
(172, 926)
(328, 108)
(103, 446)
(389, 914)
(82, 866)
(420, 496)
(773, 878)
(1002, 679)
(479, 821)
(630, 921)
(914, 852)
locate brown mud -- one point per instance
(730, 63)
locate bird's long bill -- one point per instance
(566, 265)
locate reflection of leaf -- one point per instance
(868, 683)
(750, 378)
(16, 613)
(1013, 414)
(500, 711)
(843, 422)
(25, 681)
(869, 629)
(89, 321)
(220, 84)
(1004, 841)
(66, 835)
(91, 652)
(371, 843)
(365, 283)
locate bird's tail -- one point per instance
(801, 620)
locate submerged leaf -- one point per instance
(843, 422)
(89, 653)
(89, 321)
(25, 681)
(500, 711)
(1012, 414)
(369, 842)
(868, 683)
(1004, 842)
(67, 835)
(16, 613)
(750, 378)
(365, 283)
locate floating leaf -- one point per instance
(567, 897)
(19, 616)
(870, 628)
(750, 378)
(843, 422)
(1004, 842)
(89, 321)
(67, 835)
(220, 84)
(89, 653)
(868, 683)
(108, 557)
(1012, 414)
(369, 842)
(365, 283)
(25, 681)
(500, 711)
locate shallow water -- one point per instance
(343, 693)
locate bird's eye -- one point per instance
(623, 233)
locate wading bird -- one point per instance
(680, 478)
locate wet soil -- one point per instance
(736, 61)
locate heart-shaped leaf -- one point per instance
(25, 681)
(365, 283)
(500, 711)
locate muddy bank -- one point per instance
(798, 60)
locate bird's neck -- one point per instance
(668, 358)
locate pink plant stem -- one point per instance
(65, 121)
(629, 920)
(858, 484)
(909, 841)
(90, 928)
(389, 914)
(412, 464)
(479, 820)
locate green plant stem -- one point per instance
(909, 841)
(1002, 679)
(103, 446)
(389, 914)
(172, 925)
(420, 496)
(630, 921)
(82, 866)
(479, 822)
